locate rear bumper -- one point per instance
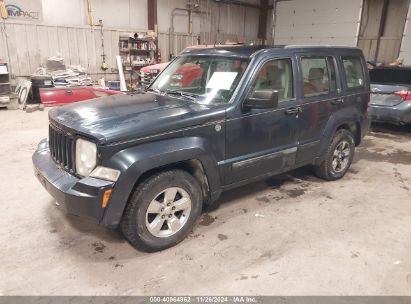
(399, 114)
(76, 196)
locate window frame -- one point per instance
(261, 65)
(333, 60)
(350, 89)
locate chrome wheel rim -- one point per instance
(168, 212)
(341, 156)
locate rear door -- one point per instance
(320, 96)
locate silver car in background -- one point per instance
(391, 95)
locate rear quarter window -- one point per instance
(354, 72)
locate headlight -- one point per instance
(86, 156)
(105, 173)
(177, 77)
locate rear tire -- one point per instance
(162, 210)
(338, 158)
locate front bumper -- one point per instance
(399, 114)
(78, 196)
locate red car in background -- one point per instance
(58, 96)
(148, 73)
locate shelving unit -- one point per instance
(137, 52)
(5, 88)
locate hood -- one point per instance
(122, 117)
(158, 66)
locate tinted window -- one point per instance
(353, 72)
(275, 75)
(391, 75)
(318, 75)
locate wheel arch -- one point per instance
(344, 119)
(354, 127)
(192, 166)
(137, 163)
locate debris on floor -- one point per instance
(62, 75)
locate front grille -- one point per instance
(5, 88)
(147, 78)
(62, 148)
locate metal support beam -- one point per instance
(262, 23)
(381, 27)
(152, 14)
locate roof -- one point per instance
(227, 50)
(248, 50)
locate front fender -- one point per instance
(133, 162)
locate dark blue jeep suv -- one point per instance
(213, 120)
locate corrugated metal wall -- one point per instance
(26, 46)
(405, 51)
(390, 20)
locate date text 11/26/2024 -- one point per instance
(203, 299)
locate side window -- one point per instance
(319, 75)
(275, 75)
(353, 72)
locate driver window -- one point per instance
(275, 75)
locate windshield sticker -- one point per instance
(221, 80)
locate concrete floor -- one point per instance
(290, 235)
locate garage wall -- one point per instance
(405, 50)
(63, 30)
(220, 19)
(26, 46)
(332, 22)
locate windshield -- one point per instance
(204, 79)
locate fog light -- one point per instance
(106, 197)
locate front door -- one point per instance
(263, 141)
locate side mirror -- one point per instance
(264, 99)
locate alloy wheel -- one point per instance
(168, 212)
(341, 156)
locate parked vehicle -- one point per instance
(113, 85)
(150, 72)
(149, 162)
(391, 95)
(57, 96)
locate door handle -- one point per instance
(69, 92)
(337, 101)
(293, 110)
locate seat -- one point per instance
(316, 78)
(271, 81)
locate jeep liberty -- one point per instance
(149, 162)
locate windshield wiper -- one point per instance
(190, 96)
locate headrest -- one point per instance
(316, 74)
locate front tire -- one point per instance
(338, 158)
(162, 210)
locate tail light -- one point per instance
(406, 95)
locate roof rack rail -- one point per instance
(316, 46)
